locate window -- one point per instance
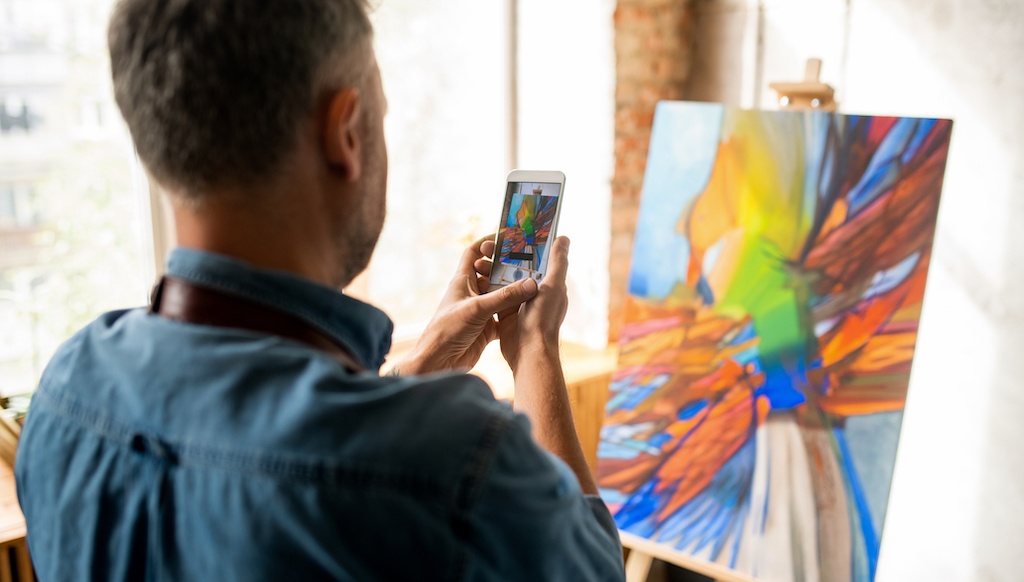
(442, 65)
(444, 69)
(71, 234)
(75, 219)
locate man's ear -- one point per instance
(342, 142)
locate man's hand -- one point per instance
(464, 322)
(529, 341)
(532, 328)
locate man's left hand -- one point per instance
(464, 322)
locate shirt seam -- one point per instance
(318, 471)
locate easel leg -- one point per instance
(638, 565)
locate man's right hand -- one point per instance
(464, 322)
(529, 341)
(531, 329)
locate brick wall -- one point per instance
(653, 43)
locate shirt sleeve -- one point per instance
(532, 521)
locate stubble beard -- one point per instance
(357, 242)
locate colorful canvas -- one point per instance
(527, 229)
(775, 290)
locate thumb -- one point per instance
(558, 263)
(508, 297)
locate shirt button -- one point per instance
(139, 443)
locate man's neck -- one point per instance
(271, 240)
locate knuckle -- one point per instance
(508, 293)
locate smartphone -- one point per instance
(529, 220)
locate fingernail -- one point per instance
(530, 287)
(565, 245)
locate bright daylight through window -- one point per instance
(70, 226)
(445, 133)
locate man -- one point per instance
(239, 429)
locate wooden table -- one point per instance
(14, 561)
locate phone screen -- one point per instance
(527, 221)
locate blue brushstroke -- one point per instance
(633, 515)
(682, 152)
(707, 296)
(871, 540)
(659, 439)
(746, 334)
(615, 401)
(622, 384)
(779, 386)
(611, 496)
(606, 450)
(737, 533)
(691, 409)
(718, 511)
(884, 167)
(747, 356)
(513, 209)
(923, 129)
(637, 395)
(889, 279)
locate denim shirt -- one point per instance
(161, 450)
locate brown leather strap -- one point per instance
(182, 300)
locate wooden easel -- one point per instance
(643, 551)
(810, 93)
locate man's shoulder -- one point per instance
(68, 356)
(232, 401)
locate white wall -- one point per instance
(957, 507)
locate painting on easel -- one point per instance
(774, 295)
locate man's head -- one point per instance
(231, 103)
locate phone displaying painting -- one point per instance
(775, 289)
(529, 219)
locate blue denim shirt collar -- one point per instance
(364, 329)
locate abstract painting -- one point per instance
(777, 276)
(525, 234)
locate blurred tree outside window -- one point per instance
(72, 231)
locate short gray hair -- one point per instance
(213, 91)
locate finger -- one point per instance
(483, 266)
(504, 315)
(510, 296)
(490, 332)
(474, 252)
(469, 257)
(487, 247)
(558, 262)
(478, 244)
(507, 317)
(482, 284)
